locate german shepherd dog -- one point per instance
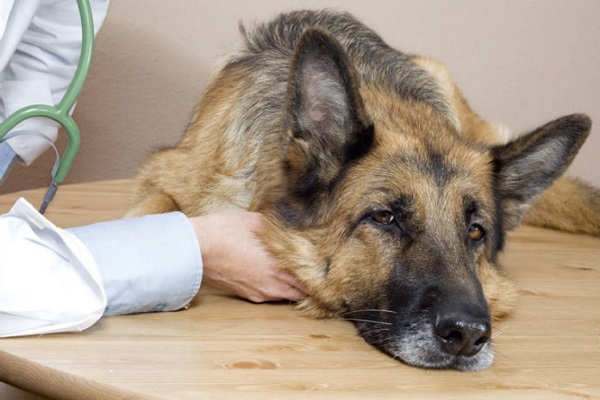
(385, 194)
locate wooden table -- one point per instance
(226, 348)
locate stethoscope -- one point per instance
(60, 113)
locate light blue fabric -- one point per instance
(150, 263)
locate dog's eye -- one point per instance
(383, 217)
(476, 232)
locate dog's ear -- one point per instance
(327, 126)
(527, 166)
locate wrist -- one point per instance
(203, 234)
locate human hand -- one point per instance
(234, 259)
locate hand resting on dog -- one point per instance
(234, 259)
(129, 266)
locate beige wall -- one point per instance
(522, 62)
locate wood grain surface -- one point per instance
(226, 348)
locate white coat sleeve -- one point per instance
(150, 263)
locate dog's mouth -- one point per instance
(417, 344)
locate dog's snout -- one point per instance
(462, 335)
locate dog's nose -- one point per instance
(462, 336)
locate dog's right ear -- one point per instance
(327, 126)
(527, 166)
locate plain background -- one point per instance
(521, 62)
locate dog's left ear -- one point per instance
(327, 126)
(527, 166)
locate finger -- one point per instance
(295, 294)
(286, 293)
(277, 291)
(291, 280)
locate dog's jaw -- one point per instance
(422, 350)
(416, 345)
(411, 340)
(412, 343)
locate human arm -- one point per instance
(158, 256)
(55, 280)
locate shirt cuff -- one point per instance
(150, 263)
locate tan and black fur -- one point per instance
(385, 194)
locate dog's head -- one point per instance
(394, 221)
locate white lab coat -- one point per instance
(40, 45)
(56, 280)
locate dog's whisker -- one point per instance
(382, 341)
(367, 321)
(373, 331)
(370, 310)
(504, 356)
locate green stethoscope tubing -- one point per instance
(60, 113)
